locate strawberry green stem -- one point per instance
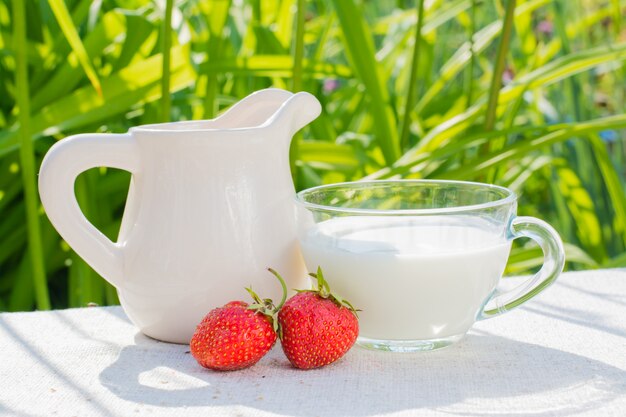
(323, 290)
(322, 285)
(283, 285)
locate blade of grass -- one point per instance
(452, 148)
(574, 29)
(481, 41)
(525, 167)
(257, 15)
(166, 48)
(612, 183)
(298, 57)
(522, 259)
(79, 270)
(14, 240)
(275, 66)
(617, 262)
(564, 67)
(438, 14)
(472, 60)
(298, 50)
(92, 286)
(140, 36)
(574, 88)
(543, 76)
(106, 207)
(518, 149)
(582, 210)
(216, 16)
(344, 157)
(27, 159)
(360, 51)
(477, 140)
(571, 105)
(498, 70)
(563, 221)
(137, 83)
(321, 46)
(68, 75)
(282, 21)
(22, 296)
(617, 16)
(66, 24)
(412, 87)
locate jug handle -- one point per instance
(59, 169)
(553, 261)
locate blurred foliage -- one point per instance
(549, 124)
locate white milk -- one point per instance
(415, 278)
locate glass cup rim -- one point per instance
(509, 198)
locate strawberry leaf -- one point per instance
(323, 290)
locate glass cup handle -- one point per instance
(553, 261)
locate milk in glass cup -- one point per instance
(420, 258)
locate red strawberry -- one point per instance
(316, 326)
(236, 335)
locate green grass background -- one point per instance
(526, 94)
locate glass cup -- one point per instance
(420, 258)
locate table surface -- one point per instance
(562, 354)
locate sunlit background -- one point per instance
(527, 94)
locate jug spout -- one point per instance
(296, 112)
(273, 109)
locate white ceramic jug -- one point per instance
(210, 207)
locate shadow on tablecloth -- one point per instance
(482, 375)
(117, 312)
(576, 316)
(6, 411)
(37, 354)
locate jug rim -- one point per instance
(509, 197)
(266, 109)
(160, 127)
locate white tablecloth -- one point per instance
(562, 354)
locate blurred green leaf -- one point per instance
(71, 34)
(522, 259)
(360, 50)
(558, 141)
(137, 83)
